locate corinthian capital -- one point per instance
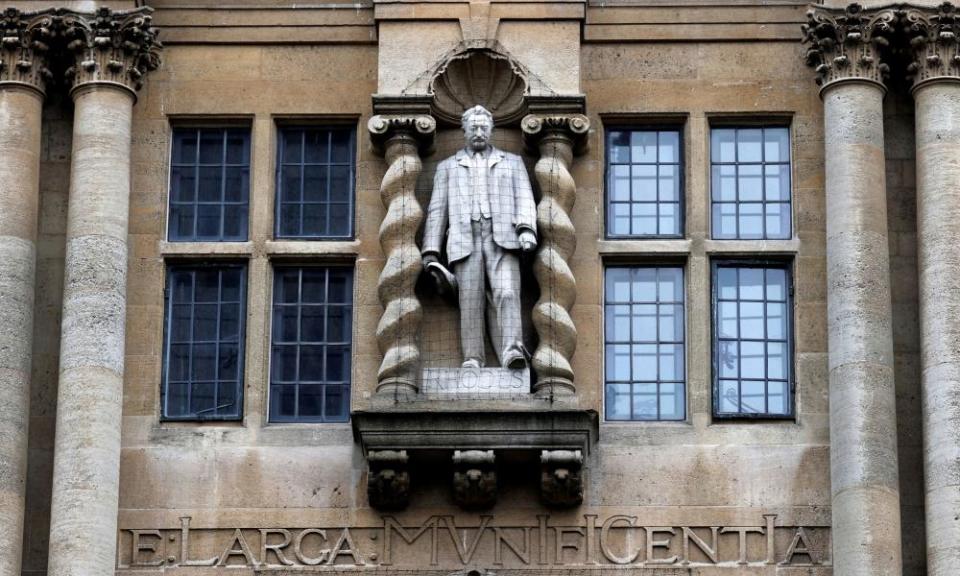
(848, 43)
(24, 47)
(111, 47)
(933, 43)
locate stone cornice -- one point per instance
(111, 47)
(25, 46)
(932, 34)
(845, 43)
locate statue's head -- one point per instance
(477, 123)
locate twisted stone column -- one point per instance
(555, 137)
(399, 139)
(936, 75)
(23, 74)
(113, 52)
(844, 49)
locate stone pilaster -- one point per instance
(112, 51)
(936, 74)
(556, 137)
(399, 138)
(23, 75)
(845, 48)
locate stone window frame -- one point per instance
(656, 264)
(181, 123)
(783, 263)
(751, 121)
(332, 123)
(168, 304)
(668, 123)
(350, 269)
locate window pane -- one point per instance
(752, 343)
(185, 146)
(643, 147)
(211, 146)
(778, 220)
(644, 340)
(620, 183)
(340, 143)
(311, 352)
(669, 220)
(203, 341)
(644, 188)
(315, 184)
(750, 221)
(238, 147)
(749, 145)
(644, 219)
(776, 145)
(669, 143)
(776, 183)
(723, 145)
(725, 221)
(317, 147)
(620, 219)
(750, 183)
(669, 184)
(620, 147)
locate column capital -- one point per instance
(24, 48)
(536, 126)
(111, 47)
(382, 127)
(845, 44)
(932, 33)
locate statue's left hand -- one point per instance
(528, 241)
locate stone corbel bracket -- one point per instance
(561, 479)
(933, 42)
(474, 479)
(25, 46)
(400, 138)
(848, 43)
(111, 47)
(557, 137)
(388, 480)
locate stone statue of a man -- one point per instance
(483, 201)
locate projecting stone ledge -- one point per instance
(474, 433)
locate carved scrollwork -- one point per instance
(933, 42)
(555, 137)
(561, 481)
(25, 47)
(848, 43)
(474, 479)
(399, 138)
(116, 47)
(388, 481)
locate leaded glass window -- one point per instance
(209, 185)
(752, 339)
(315, 183)
(311, 344)
(750, 183)
(203, 342)
(644, 342)
(644, 192)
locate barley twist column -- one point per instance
(23, 74)
(555, 137)
(399, 139)
(936, 91)
(113, 52)
(845, 48)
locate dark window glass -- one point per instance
(644, 344)
(750, 183)
(209, 184)
(644, 190)
(315, 183)
(752, 344)
(311, 343)
(203, 342)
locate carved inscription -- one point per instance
(450, 542)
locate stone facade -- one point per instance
(858, 477)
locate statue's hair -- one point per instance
(477, 110)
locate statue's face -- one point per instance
(477, 132)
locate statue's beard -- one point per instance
(478, 145)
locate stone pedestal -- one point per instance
(21, 104)
(86, 475)
(863, 427)
(463, 383)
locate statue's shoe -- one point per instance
(471, 363)
(515, 361)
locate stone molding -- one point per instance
(399, 138)
(845, 43)
(561, 481)
(25, 47)
(932, 35)
(474, 479)
(111, 47)
(556, 137)
(388, 481)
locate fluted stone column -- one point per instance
(863, 429)
(936, 74)
(399, 138)
(555, 136)
(23, 73)
(113, 52)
